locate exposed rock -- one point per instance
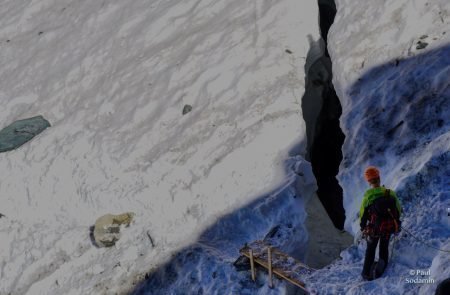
(107, 228)
(20, 132)
(187, 108)
(273, 231)
(421, 45)
(242, 263)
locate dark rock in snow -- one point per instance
(187, 108)
(288, 51)
(20, 132)
(278, 234)
(273, 231)
(421, 45)
(242, 263)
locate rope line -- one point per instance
(393, 248)
(423, 242)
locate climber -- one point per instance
(380, 217)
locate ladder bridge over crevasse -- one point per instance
(276, 262)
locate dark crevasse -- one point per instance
(327, 12)
(322, 110)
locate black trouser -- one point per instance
(370, 253)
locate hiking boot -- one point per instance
(366, 277)
(378, 268)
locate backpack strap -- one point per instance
(387, 193)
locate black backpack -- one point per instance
(383, 216)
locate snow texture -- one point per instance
(112, 78)
(396, 108)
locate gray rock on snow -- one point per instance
(107, 228)
(20, 132)
(421, 45)
(186, 109)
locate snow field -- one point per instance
(112, 78)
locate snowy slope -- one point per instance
(396, 110)
(112, 77)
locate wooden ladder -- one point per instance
(276, 262)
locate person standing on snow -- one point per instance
(380, 217)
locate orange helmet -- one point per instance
(371, 173)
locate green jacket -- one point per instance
(373, 194)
